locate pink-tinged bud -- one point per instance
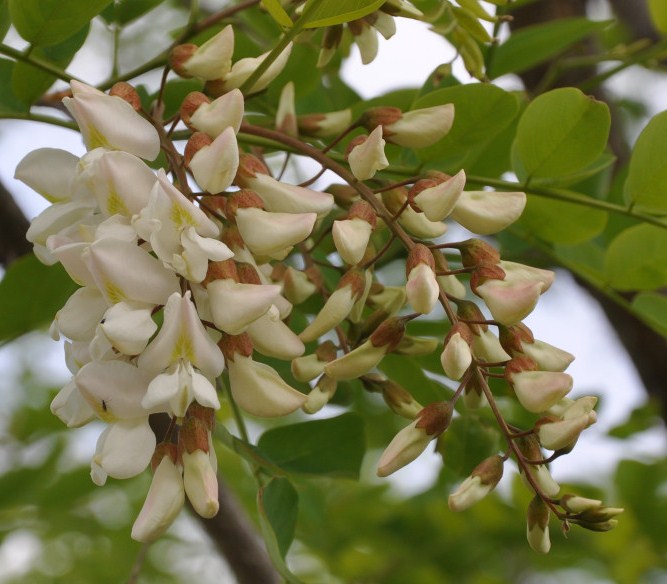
(365, 155)
(399, 400)
(365, 38)
(320, 395)
(330, 41)
(286, 114)
(438, 198)
(259, 390)
(213, 60)
(337, 307)
(478, 485)
(537, 530)
(412, 440)
(213, 163)
(128, 93)
(416, 223)
(324, 124)
(273, 234)
(422, 127)
(547, 357)
(515, 296)
(562, 433)
(213, 118)
(164, 501)
(456, 356)
(422, 287)
(537, 391)
(488, 212)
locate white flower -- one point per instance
(241, 71)
(273, 338)
(537, 391)
(110, 122)
(201, 483)
(215, 117)
(351, 238)
(422, 288)
(437, 202)
(487, 212)
(368, 157)
(422, 127)
(214, 166)
(50, 172)
(211, 61)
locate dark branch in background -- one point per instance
(646, 348)
(13, 227)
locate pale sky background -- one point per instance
(565, 317)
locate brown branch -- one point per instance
(13, 227)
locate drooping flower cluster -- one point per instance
(178, 286)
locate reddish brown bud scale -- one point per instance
(363, 210)
(435, 418)
(191, 104)
(484, 272)
(380, 116)
(467, 310)
(243, 199)
(193, 435)
(207, 415)
(332, 36)
(393, 199)
(326, 351)
(519, 364)
(421, 185)
(419, 254)
(309, 124)
(247, 273)
(389, 333)
(356, 141)
(490, 470)
(512, 338)
(215, 87)
(230, 345)
(180, 55)
(460, 328)
(197, 141)
(161, 450)
(476, 251)
(224, 270)
(315, 276)
(529, 446)
(127, 93)
(344, 195)
(232, 238)
(354, 278)
(249, 167)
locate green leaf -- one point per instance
(646, 185)
(49, 22)
(560, 133)
(586, 259)
(604, 161)
(280, 503)
(643, 418)
(29, 83)
(5, 21)
(275, 9)
(561, 222)
(637, 259)
(408, 372)
(123, 12)
(658, 11)
(30, 295)
(9, 103)
(482, 112)
(532, 45)
(331, 12)
(332, 447)
(651, 307)
(468, 440)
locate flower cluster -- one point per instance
(178, 284)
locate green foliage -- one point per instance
(49, 22)
(560, 133)
(21, 312)
(331, 12)
(330, 447)
(658, 12)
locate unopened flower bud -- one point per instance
(213, 60)
(201, 483)
(337, 307)
(538, 526)
(437, 198)
(478, 485)
(561, 433)
(128, 93)
(383, 23)
(536, 390)
(487, 212)
(213, 162)
(449, 283)
(366, 156)
(365, 38)
(422, 127)
(286, 114)
(476, 251)
(324, 124)
(330, 41)
(416, 223)
(320, 395)
(530, 448)
(410, 345)
(402, 8)
(456, 356)
(213, 117)
(412, 440)
(309, 367)
(297, 286)
(352, 234)
(422, 287)
(576, 504)
(399, 400)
